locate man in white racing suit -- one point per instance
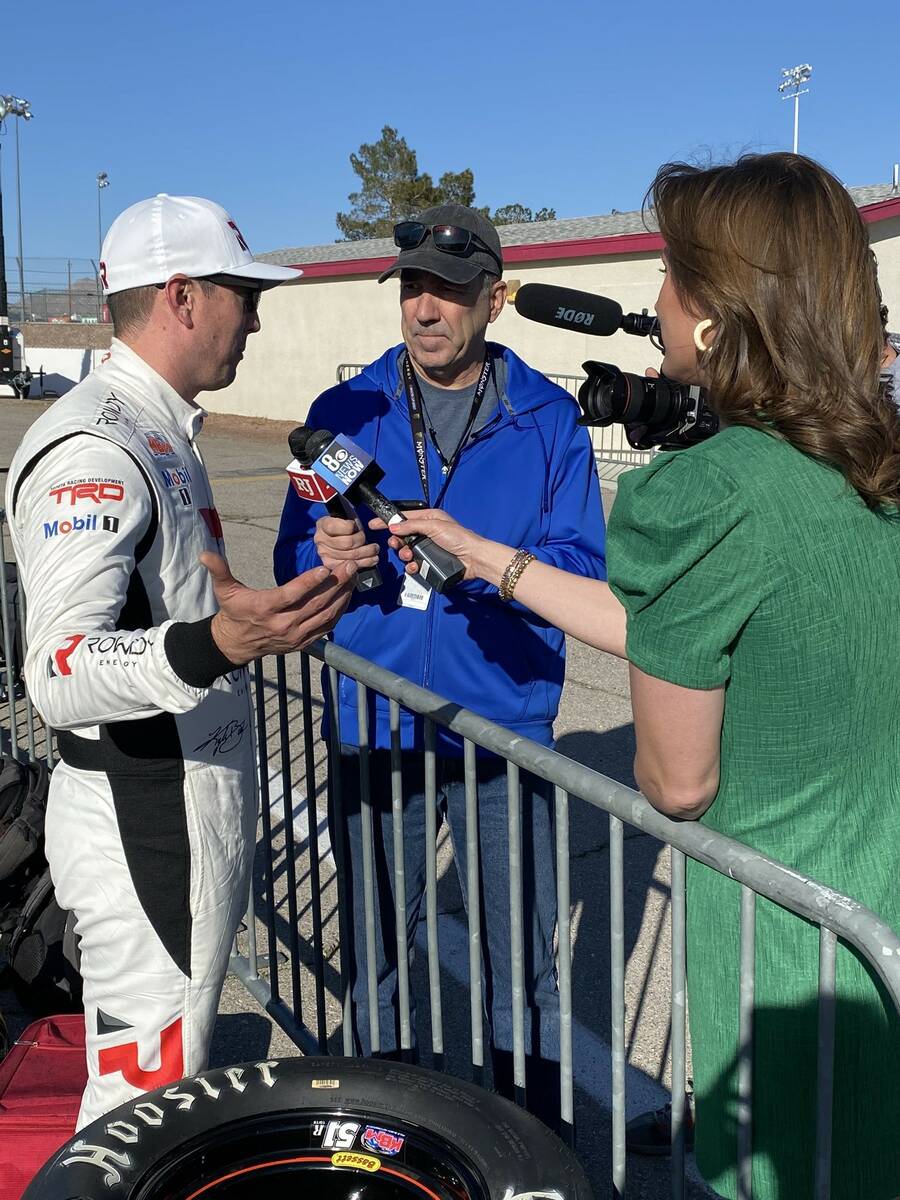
(137, 639)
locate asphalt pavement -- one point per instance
(245, 460)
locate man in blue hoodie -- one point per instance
(463, 424)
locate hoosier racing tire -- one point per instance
(322, 1128)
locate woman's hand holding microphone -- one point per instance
(482, 558)
(585, 608)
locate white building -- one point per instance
(338, 314)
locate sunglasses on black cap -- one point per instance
(451, 239)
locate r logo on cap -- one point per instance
(239, 236)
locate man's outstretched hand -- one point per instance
(252, 622)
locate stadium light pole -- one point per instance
(15, 106)
(102, 182)
(4, 309)
(791, 88)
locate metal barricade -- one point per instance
(302, 772)
(295, 956)
(19, 719)
(347, 371)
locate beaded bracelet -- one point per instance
(511, 575)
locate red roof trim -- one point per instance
(624, 243)
(881, 210)
(348, 266)
(604, 247)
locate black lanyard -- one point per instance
(417, 422)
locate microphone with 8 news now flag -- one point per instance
(343, 469)
(309, 486)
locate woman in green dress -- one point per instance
(754, 586)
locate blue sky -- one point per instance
(571, 105)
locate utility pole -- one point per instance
(4, 301)
(791, 88)
(7, 363)
(102, 182)
(15, 106)
(19, 214)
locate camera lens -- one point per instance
(655, 412)
(609, 395)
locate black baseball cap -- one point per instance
(457, 268)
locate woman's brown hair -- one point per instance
(773, 249)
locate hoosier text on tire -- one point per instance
(326, 1128)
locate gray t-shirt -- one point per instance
(447, 409)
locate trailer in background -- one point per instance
(15, 376)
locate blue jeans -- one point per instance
(539, 891)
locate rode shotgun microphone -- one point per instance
(309, 486)
(581, 312)
(353, 473)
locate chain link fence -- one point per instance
(54, 289)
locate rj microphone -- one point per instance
(354, 473)
(309, 486)
(581, 312)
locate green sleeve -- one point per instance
(687, 566)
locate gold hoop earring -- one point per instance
(699, 329)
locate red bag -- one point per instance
(41, 1081)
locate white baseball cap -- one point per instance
(179, 235)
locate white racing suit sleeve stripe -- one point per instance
(81, 514)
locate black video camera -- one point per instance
(655, 412)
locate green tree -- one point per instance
(513, 214)
(457, 188)
(392, 188)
